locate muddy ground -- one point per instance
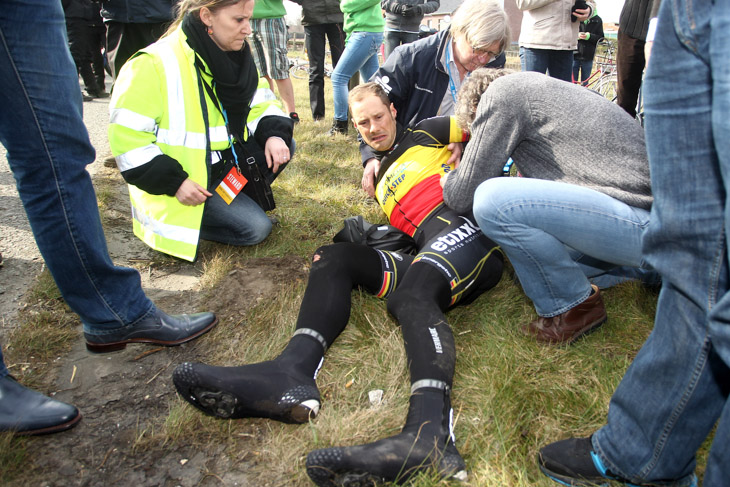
(123, 394)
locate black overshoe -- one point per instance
(338, 127)
(263, 390)
(27, 412)
(157, 328)
(423, 445)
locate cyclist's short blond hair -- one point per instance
(364, 90)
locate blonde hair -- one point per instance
(184, 7)
(481, 23)
(471, 92)
(368, 89)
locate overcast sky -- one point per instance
(609, 10)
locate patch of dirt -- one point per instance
(125, 396)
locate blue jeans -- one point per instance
(676, 389)
(558, 64)
(582, 70)
(42, 128)
(546, 228)
(243, 222)
(361, 53)
(3, 369)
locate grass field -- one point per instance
(511, 395)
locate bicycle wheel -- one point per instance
(300, 71)
(606, 86)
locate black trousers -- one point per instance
(315, 37)
(123, 40)
(80, 43)
(630, 63)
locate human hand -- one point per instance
(369, 173)
(581, 14)
(277, 153)
(411, 10)
(456, 148)
(582, 35)
(191, 193)
(647, 51)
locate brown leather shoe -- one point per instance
(569, 326)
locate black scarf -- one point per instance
(234, 73)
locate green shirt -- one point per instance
(269, 9)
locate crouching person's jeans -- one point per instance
(676, 390)
(42, 128)
(547, 228)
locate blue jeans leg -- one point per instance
(42, 128)
(557, 64)
(361, 53)
(243, 222)
(3, 368)
(676, 390)
(539, 224)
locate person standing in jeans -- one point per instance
(364, 28)
(403, 19)
(322, 21)
(591, 31)
(549, 34)
(675, 393)
(42, 128)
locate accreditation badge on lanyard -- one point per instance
(231, 185)
(234, 181)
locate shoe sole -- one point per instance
(569, 481)
(51, 429)
(224, 405)
(323, 470)
(116, 346)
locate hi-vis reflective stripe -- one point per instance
(132, 120)
(270, 110)
(175, 94)
(173, 232)
(138, 157)
(262, 95)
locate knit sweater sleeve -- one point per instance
(497, 129)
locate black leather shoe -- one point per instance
(27, 412)
(159, 328)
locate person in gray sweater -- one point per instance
(582, 205)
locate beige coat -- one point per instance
(546, 24)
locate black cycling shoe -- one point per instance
(263, 390)
(422, 446)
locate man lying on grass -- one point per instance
(455, 264)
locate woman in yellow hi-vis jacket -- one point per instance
(188, 118)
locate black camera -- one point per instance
(579, 4)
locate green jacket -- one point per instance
(362, 16)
